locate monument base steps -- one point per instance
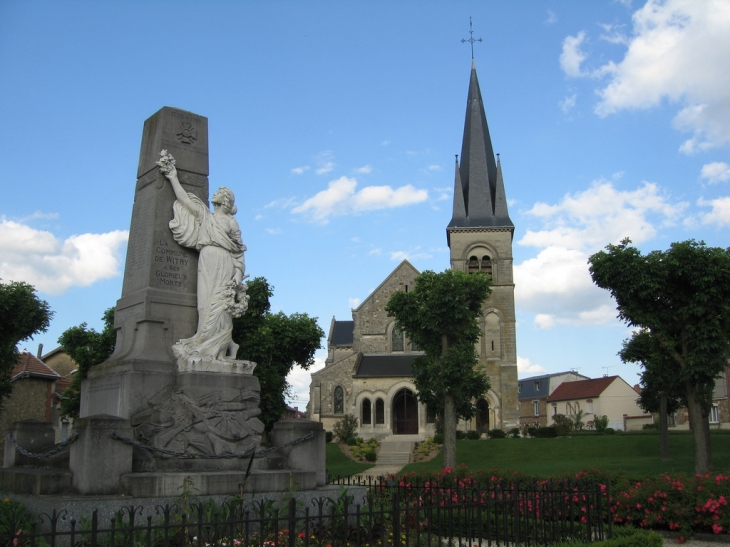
(35, 482)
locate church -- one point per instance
(368, 369)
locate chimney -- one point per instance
(40, 351)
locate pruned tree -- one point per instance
(662, 391)
(682, 296)
(87, 348)
(22, 314)
(276, 342)
(440, 315)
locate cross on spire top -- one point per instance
(471, 39)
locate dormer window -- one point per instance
(537, 386)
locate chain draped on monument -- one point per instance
(221, 257)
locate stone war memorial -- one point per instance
(173, 405)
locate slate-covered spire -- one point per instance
(479, 198)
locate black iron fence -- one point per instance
(394, 513)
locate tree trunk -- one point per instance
(700, 433)
(663, 427)
(449, 419)
(449, 431)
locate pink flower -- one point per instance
(716, 528)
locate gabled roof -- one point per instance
(479, 197)
(385, 365)
(404, 264)
(30, 366)
(341, 333)
(529, 390)
(581, 389)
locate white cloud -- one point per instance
(567, 104)
(300, 170)
(341, 198)
(720, 213)
(556, 284)
(572, 56)
(364, 170)
(274, 231)
(375, 251)
(354, 303)
(325, 162)
(299, 380)
(526, 368)
(551, 18)
(51, 265)
(717, 171)
(679, 51)
(408, 255)
(386, 143)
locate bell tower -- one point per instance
(480, 239)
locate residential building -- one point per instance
(533, 393)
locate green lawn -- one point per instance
(339, 464)
(636, 455)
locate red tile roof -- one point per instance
(581, 389)
(29, 365)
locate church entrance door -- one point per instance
(405, 413)
(482, 416)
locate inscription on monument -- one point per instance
(169, 264)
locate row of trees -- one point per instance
(678, 300)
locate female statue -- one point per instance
(217, 237)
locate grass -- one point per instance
(339, 464)
(636, 455)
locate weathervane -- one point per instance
(471, 39)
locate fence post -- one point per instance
(396, 518)
(94, 528)
(292, 521)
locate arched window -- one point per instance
(339, 400)
(473, 264)
(379, 411)
(397, 340)
(367, 414)
(415, 347)
(486, 266)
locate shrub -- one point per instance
(609, 431)
(532, 431)
(370, 455)
(345, 428)
(328, 436)
(514, 432)
(563, 425)
(600, 423)
(472, 435)
(496, 434)
(460, 435)
(545, 432)
(650, 426)
(351, 441)
(438, 438)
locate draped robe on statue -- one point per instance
(221, 257)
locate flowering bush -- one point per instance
(684, 504)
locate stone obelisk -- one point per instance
(158, 303)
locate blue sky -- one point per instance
(336, 125)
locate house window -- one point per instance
(367, 414)
(537, 386)
(670, 420)
(589, 402)
(536, 407)
(715, 414)
(555, 409)
(339, 400)
(379, 411)
(396, 339)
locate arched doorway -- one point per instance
(405, 413)
(482, 416)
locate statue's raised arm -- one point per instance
(167, 167)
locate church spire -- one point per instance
(479, 197)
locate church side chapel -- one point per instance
(368, 370)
